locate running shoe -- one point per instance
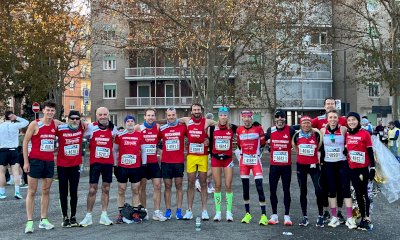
(287, 221)
(168, 214)
(188, 215)
(273, 220)
(158, 216)
(10, 182)
(17, 195)
(197, 184)
(147, 215)
(87, 220)
(23, 185)
(217, 217)
(263, 220)
(178, 214)
(45, 224)
(73, 222)
(340, 217)
(304, 221)
(365, 225)
(351, 223)
(3, 195)
(136, 218)
(210, 187)
(246, 218)
(327, 216)
(320, 221)
(204, 215)
(66, 222)
(334, 222)
(29, 227)
(119, 219)
(105, 220)
(229, 216)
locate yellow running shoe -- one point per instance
(247, 218)
(263, 220)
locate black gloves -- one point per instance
(371, 174)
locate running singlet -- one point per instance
(101, 145)
(281, 144)
(69, 146)
(173, 138)
(333, 146)
(150, 136)
(196, 136)
(43, 142)
(222, 142)
(129, 149)
(307, 149)
(357, 145)
(321, 121)
(250, 141)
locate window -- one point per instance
(373, 89)
(109, 62)
(110, 91)
(319, 38)
(108, 32)
(113, 118)
(372, 5)
(373, 61)
(72, 85)
(254, 89)
(71, 104)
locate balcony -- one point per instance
(163, 73)
(157, 102)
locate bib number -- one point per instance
(280, 156)
(357, 157)
(307, 149)
(222, 144)
(249, 159)
(128, 159)
(71, 150)
(333, 153)
(151, 149)
(102, 152)
(172, 145)
(47, 145)
(196, 148)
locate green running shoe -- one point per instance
(263, 220)
(29, 227)
(247, 218)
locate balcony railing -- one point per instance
(163, 102)
(164, 73)
(306, 75)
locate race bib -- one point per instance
(222, 144)
(151, 149)
(196, 148)
(357, 157)
(333, 153)
(307, 149)
(47, 145)
(280, 156)
(172, 145)
(128, 159)
(250, 159)
(102, 152)
(71, 150)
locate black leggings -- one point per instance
(275, 173)
(246, 189)
(315, 173)
(361, 188)
(325, 191)
(68, 176)
(337, 174)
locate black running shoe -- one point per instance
(73, 222)
(66, 222)
(365, 225)
(327, 216)
(320, 222)
(342, 220)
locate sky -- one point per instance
(82, 6)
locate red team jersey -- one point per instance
(43, 142)
(101, 145)
(281, 145)
(150, 136)
(69, 146)
(173, 138)
(196, 136)
(321, 121)
(357, 145)
(129, 149)
(307, 149)
(222, 142)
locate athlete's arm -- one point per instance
(115, 153)
(184, 120)
(263, 140)
(210, 122)
(28, 136)
(22, 122)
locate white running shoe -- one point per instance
(147, 215)
(334, 222)
(188, 215)
(217, 217)
(204, 216)
(159, 216)
(351, 223)
(105, 220)
(229, 216)
(197, 185)
(87, 220)
(210, 188)
(45, 224)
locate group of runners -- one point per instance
(334, 150)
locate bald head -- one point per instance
(102, 115)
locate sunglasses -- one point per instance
(332, 137)
(75, 118)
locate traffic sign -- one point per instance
(86, 96)
(35, 107)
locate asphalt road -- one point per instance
(13, 218)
